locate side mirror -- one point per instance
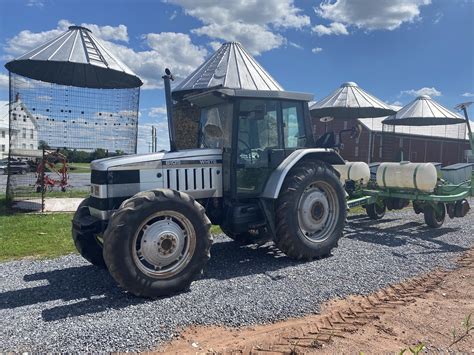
(356, 131)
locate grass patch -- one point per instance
(216, 230)
(46, 235)
(357, 210)
(31, 193)
(67, 194)
(83, 168)
(34, 235)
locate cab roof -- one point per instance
(221, 95)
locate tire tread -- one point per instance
(118, 223)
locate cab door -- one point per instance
(258, 141)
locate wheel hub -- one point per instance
(162, 243)
(317, 210)
(313, 210)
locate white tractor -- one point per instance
(254, 171)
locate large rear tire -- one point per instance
(157, 243)
(434, 218)
(88, 244)
(310, 212)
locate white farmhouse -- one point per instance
(23, 128)
(3, 129)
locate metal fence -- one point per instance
(55, 131)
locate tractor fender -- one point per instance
(275, 181)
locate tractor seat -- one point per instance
(327, 140)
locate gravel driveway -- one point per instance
(67, 305)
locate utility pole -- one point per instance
(153, 139)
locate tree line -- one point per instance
(80, 156)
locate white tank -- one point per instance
(405, 175)
(355, 170)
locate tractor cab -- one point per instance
(256, 131)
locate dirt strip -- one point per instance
(427, 310)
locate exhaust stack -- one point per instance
(167, 78)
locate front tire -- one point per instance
(310, 212)
(87, 243)
(433, 218)
(157, 243)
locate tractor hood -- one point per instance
(138, 161)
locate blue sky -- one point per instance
(395, 49)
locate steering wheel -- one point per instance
(248, 150)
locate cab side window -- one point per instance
(293, 124)
(258, 130)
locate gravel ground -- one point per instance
(67, 305)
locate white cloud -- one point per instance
(166, 49)
(316, 50)
(334, 28)
(255, 38)
(372, 14)
(439, 15)
(26, 40)
(423, 91)
(44, 98)
(4, 81)
(111, 33)
(466, 94)
(295, 45)
(35, 3)
(256, 24)
(281, 13)
(215, 45)
(157, 111)
(173, 15)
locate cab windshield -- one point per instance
(215, 126)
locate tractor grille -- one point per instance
(110, 188)
(193, 179)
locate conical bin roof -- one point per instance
(76, 58)
(232, 67)
(423, 111)
(349, 101)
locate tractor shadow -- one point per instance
(364, 229)
(83, 290)
(78, 290)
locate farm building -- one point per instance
(4, 136)
(349, 106)
(444, 144)
(24, 135)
